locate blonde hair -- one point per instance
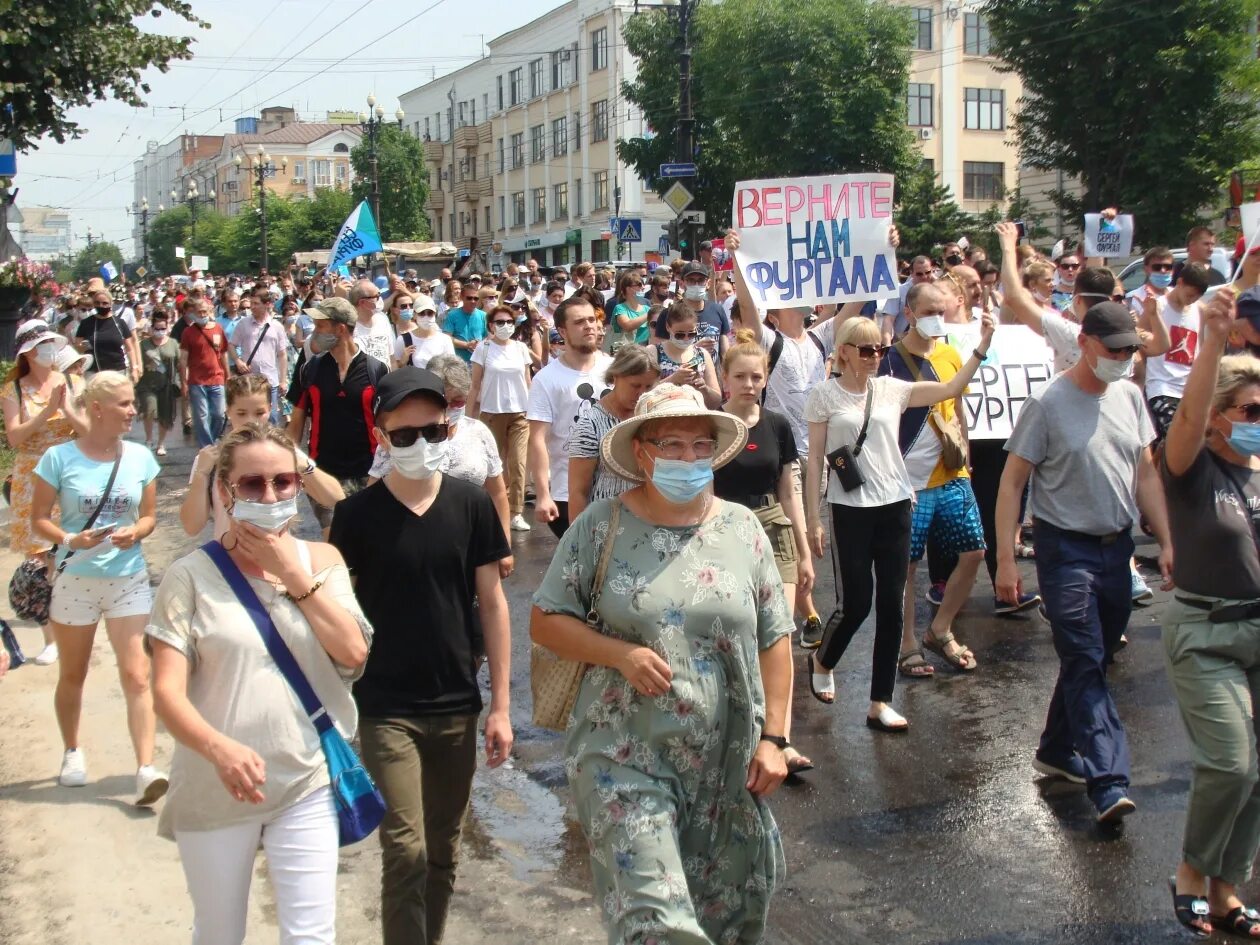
(247, 385)
(630, 361)
(1037, 269)
(104, 385)
(858, 331)
(746, 346)
(246, 436)
(1236, 372)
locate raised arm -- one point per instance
(1018, 303)
(1188, 430)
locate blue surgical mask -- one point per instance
(1244, 438)
(405, 314)
(1161, 280)
(679, 480)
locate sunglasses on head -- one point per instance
(1250, 411)
(403, 437)
(253, 488)
(870, 351)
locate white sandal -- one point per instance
(822, 684)
(888, 720)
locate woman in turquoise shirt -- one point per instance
(630, 315)
(104, 572)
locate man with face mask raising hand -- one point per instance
(1085, 441)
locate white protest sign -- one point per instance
(1112, 239)
(1019, 365)
(179, 252)
(816, 240)
(1250, 213)
(200, 262)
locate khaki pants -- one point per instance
(511, 435)
(1215, 672)
(424, 769)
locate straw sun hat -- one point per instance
(666, 402)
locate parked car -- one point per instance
(1133, 275)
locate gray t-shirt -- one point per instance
(1085, 449)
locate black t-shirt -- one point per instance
(1216, 547)
(712, 315)
(106, 338)
(755, 470)
(341, 412)
(415, 578)
(1214, 274)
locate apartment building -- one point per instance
(521, 144)
(161, 169)
(44, 232)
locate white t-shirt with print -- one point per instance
(504, 377)
(1166, 375)
(560, 396)
(801, 367)
(376, 339)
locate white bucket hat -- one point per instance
(669, 401)
(35, 333)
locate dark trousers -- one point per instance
(561, 524)
(988, 459)
(1085, 585)
(870, 539)
(424, 768)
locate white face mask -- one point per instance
(1111, 372)
(695, 293)
(378, 305)
(504, 332)
(46, 354)
(269, 516)
(454, 415)
(930, 326)
(426, 322)
(421, 459)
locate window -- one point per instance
(976, 35)
(599, 121)
(518, 150)
(921, 20)
(299, 171)
(536, 87)
(343, 174)
(929, 165)
(439, 229)
(518, 208)
(516, 87)
(577, 131)
(599, 49)
(577, 197)
(986, 109)
(559, 137)
(499, 88)
(452, 226)
(485, 106)
(537, 143)
(472, 106)
(983, 180)
(463, 120)
(599, 190)
(919, 96)
(488, 227)
(540, 204)
(341, 149)
(503, 212)
(501, 166)
(323, 173)
(426, 129)
(560, 201)
(557, 71)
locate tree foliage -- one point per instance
(779, 88)
(87, 262)
(62, 53)
(1150, 107)
(404, 183)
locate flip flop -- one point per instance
(798, 763)
(822, 684)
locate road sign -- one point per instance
(631, 230)
(678, 170)
(662, 246)
(699, 217)
(678, 198)
(614, 224)
(8, 158)
(141, 271)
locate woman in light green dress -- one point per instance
(673, 744)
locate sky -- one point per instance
(342, 51)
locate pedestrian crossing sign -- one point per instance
(630, 230)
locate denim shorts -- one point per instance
(948, 517)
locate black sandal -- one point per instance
(1191, 910)
(1240, 921)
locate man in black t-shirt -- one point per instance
(421, 546)
(108, 339)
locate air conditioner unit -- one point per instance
(925, 134)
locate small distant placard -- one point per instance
(723, 258)
(200, 263)
(1112, 239)
(179, 252)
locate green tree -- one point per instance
(404, 184)
(1149, 107)
(780, 88)
(166, 231)
(59, 54)
(927, 215)
(88, 261)
(316, 222)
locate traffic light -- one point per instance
(671, 232)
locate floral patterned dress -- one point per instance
(682, 853)
(56, 430)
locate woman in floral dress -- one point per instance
(674, 744)
(39, 412)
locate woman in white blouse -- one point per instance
(500, 393)
(419, 339)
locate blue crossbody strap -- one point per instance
(279, 650)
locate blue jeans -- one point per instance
(208, 411)
(1085, 585)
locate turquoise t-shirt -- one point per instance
(641, 334)
(80, 482)
(465, 327)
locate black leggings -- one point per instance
(863, 538)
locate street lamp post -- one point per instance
(142, 210)
(371, 123)
(193, 198)
(262, 168)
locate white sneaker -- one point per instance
(519, 524)
(47, 656)
(73, 769)
(151, 784)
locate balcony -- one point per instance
(435, 151)
(466, 138)
(463, 190)
(437, 199)
(484, 130)
(481, 188)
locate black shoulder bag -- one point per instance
(257, 344)
(843, 459)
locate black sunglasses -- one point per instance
(870, 351)
(404, 437)
(500, 321)
(1161, 267)
(1250, 411)
(1130, 350)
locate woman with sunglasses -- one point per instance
(248, 401)
(499, 396)
(871, 521)
(248, 769)
(630, 314)
(680, 360)
(112, 483)
(532, 332)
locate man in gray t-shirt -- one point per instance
(1084, 441)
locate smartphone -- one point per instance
(1021, 232)
(104, 530)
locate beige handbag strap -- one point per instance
(908, 359)
(601, 568)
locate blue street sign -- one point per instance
(614, 224)
(631, 230)
(8, 158)
(662, 246)
(678, 170)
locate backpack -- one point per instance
(776, 352)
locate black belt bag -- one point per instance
(1222, 612)
(843, 459)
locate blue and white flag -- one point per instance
(358, 237)
(109, 272)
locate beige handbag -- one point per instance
(555, 682)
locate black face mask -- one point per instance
(954, 260)
(103, 310)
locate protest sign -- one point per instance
(1019, 365)
(1250, 213)
(1112, 239)
(723, 259)
(816, 240)
(200, 263)
(358, 237)
(179, 252)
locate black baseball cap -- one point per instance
(1112, 324)
(1248, 304)
(693, 269)
(398, 385)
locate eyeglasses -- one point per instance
(1161, 267)
(404, 437)
(470, 298)
(1127, 350)
(1071, 267)
(1250, 411)
(870, 351)
(368, 298)
(684, 335)
(502, 321)
(253, 488)
(675, 448)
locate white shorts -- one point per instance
(82, 601)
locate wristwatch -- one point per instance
(777, 740)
